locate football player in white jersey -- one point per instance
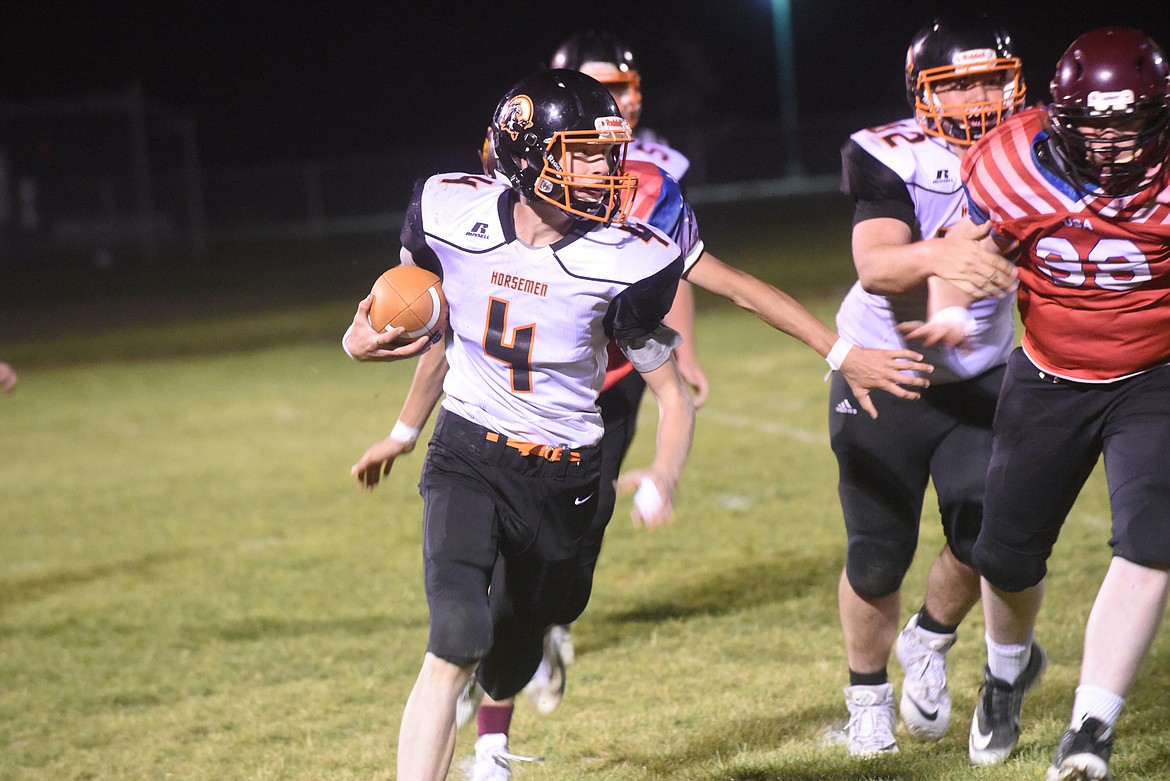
(658, 200)
(611, 61)
(539, 273)
(910, 242)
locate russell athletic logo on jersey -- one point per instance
(943, 176)
(479, 230)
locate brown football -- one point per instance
(409, 297)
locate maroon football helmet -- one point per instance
(1110, 111)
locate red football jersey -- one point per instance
(1094, 293)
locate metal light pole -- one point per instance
(786, 74)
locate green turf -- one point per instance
(191, 586)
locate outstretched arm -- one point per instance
(889, 261)
(424, 393)
(865, 369)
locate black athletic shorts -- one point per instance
(885, 466)
(484, 497)
(1049, 435)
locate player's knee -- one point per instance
(1009, 570)
(460, 636)
(963, 549)
(961, 522)
(874, 569)
(510, 665)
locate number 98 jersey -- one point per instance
(1094, 273)
(529, 325)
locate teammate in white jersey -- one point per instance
(612, 62)
(910, 241)
(512, 469)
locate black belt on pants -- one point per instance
(476, 439)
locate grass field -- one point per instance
(191, 586)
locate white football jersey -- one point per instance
(529, 325)
(899, 165)
(649, 148)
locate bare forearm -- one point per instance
(676, 422)
(425, 389)
(893, 268)
(765, 301)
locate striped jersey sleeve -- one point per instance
(1094, 272)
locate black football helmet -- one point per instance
(946, 53)
(1110, 111)
(542, 122)
(611, 62)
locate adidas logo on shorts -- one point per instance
(845, 408)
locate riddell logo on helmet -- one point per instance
(612, 127)
(1119, 100)
(974, 58)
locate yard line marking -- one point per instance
(776, 429)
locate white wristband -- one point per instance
(837, 355)
(344, 339)
(404, 433)
(956, 315)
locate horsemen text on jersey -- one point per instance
(529, 325)
(1094, 292)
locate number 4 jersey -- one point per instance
(1094, 291)
(529, 325)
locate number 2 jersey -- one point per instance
(1094, 291)
(899, 172)
(529, 325)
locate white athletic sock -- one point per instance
(1006, 662)
(1093, 702)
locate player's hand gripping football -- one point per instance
(653, 498)
(867, 369)
(376, 462)
(365, 344)
(971, 263)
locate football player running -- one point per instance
(1078, 193)
(913, 248)
(538, 277)
(611, 61)
(658, 201)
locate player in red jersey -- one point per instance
(1078, 196)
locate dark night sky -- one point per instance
(277, 80)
